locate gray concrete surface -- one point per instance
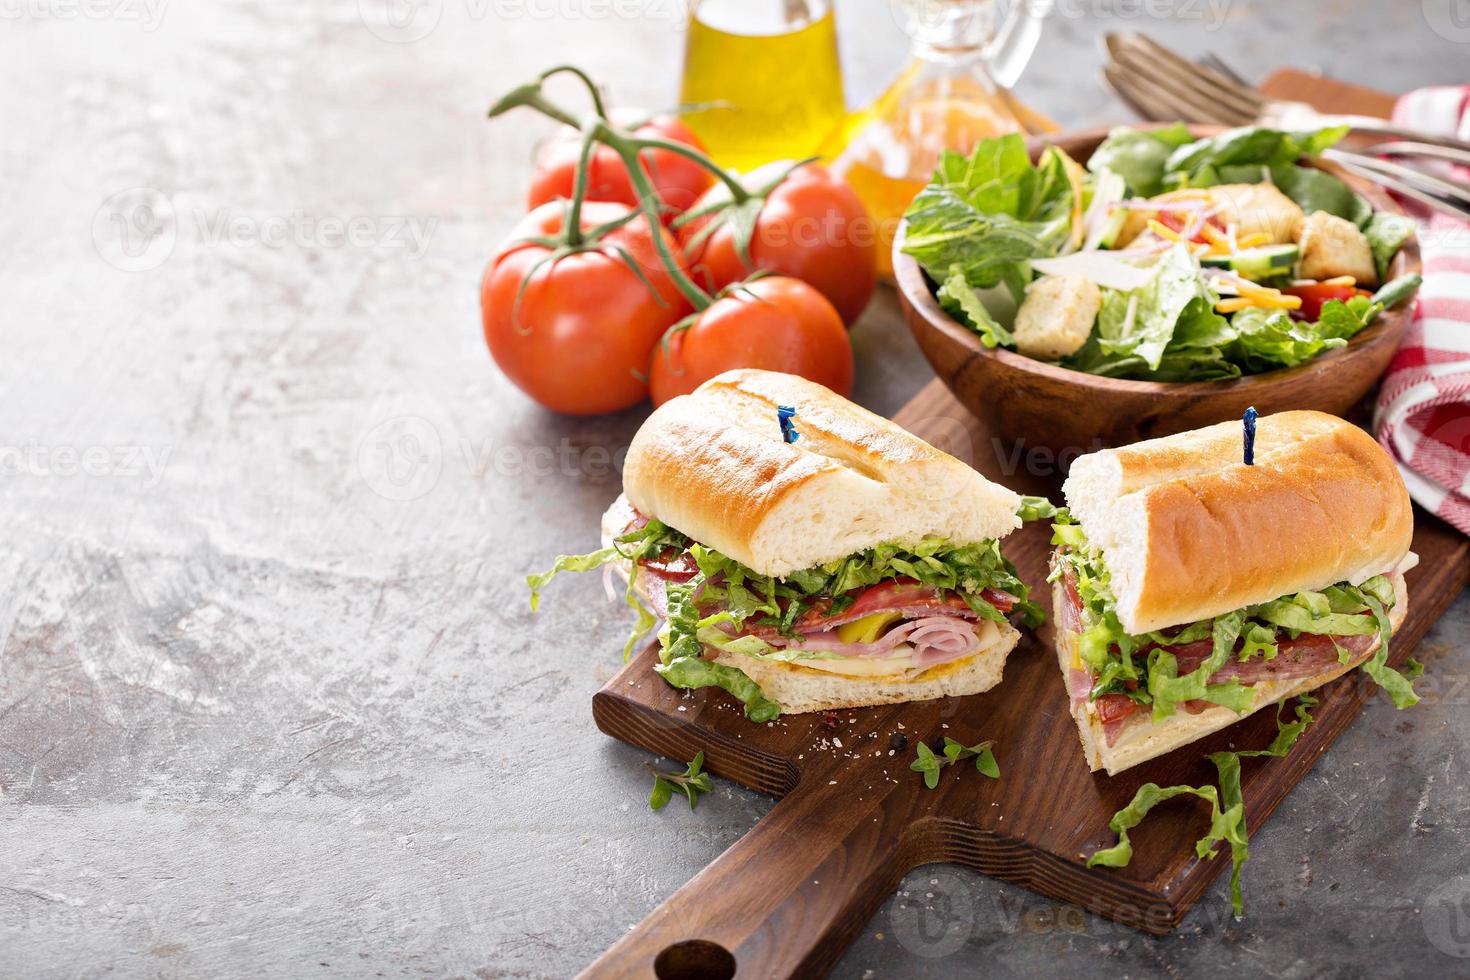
(271, 702)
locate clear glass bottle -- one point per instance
(955, 91)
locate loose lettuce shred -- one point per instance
(743, 595)
(1140, 668)
(1227, 804)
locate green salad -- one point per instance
(1165, 258)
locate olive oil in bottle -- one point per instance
(764, 78)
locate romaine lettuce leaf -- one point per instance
(985, 215)
(1386, 233)
(960, 300)
(1141, 322)
(1249, 145)
(1139, 156)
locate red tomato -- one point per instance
(1315, 295)
(813, 227)
(678, 180)
(586, 326)
(779, 324)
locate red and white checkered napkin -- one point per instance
(1423, 412)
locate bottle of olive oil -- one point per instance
(764, 78)
(955, 92)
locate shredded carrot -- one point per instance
(1213, 235)
(1162, 230)
(1253, 239)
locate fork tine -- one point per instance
(1216, 64)
(1142, 107)
(1225, 86)
(1162, 102)
(1169, 69)
(1193, 106)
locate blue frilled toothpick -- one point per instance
(1248, 423)
(784, 415)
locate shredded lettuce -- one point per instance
(1227, 804)
(1141, 668)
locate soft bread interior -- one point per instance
(1189, 532)
(714, 465)
(1143, 739)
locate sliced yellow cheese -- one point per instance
(869, 628)
(899, 662)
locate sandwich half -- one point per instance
(1191, 589)
(855, 565)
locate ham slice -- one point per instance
(935, 640)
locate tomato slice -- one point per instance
(1315, 295)
(1116, 707)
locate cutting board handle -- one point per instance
(784, 901)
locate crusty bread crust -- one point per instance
(1189, 532)
(1145, 739)
(713, 465)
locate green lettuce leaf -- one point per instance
(1156, 307)
(1386, 234)
(1254, 145)
(1139, 156)
(960, 301)
(692, 672)
(986, 215)
(1269, 339)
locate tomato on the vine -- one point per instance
(678, 180)
(776, 323)
(812, 226)
(580, 337)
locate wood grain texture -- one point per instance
(1039, 403)
(790, 894)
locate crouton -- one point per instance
(1056, 318)
(1257, 208)
(1333, 246)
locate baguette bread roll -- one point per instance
(1189, 532)
(1145, 739)
(713, 465)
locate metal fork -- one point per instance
(1161, 84)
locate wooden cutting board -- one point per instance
(790, 895)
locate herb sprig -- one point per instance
(929, 764)
(691, 782)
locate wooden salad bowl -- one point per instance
(1068, 412)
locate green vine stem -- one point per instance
(627, 146)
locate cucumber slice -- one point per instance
(1257, 263)
(1113, 228)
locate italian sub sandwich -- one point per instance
(805, 554)
(1191, 589)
